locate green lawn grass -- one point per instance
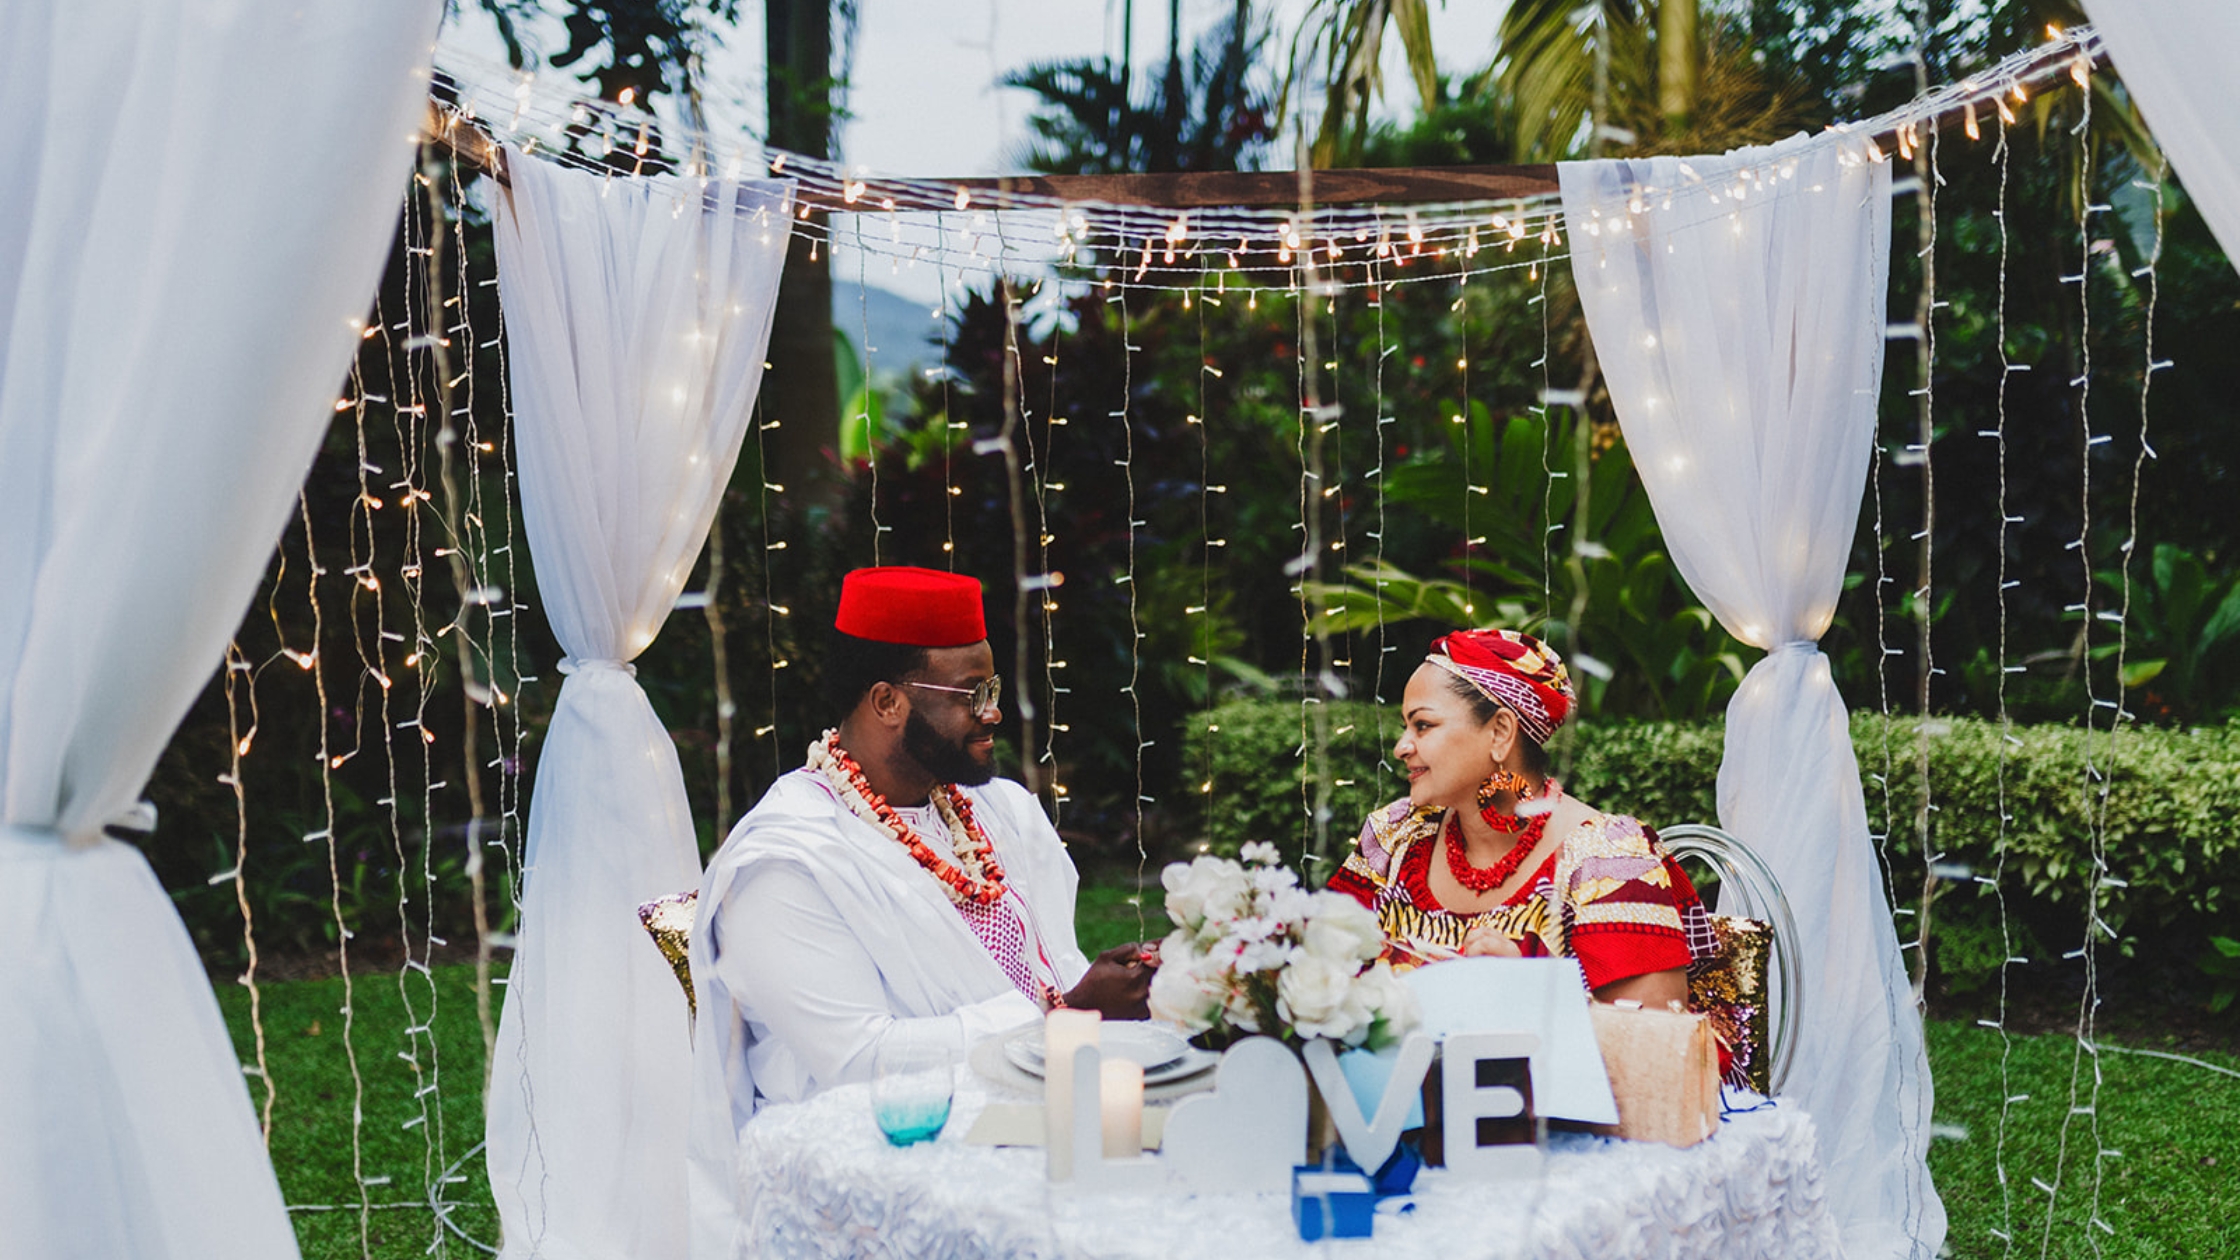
(2173, 1191)
(318, 1158)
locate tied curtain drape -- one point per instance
(184, 265)
(637, 313)
(2175, 57)
(1737, 306)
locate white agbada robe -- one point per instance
(817, 935)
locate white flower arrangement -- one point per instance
(1253, 952)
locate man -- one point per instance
(892, 887)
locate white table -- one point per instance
(820, 1180)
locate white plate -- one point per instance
(1152, 1046)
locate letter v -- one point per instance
(1370, 1144)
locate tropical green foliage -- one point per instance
(2221, 964)
(1203, 113)
(1611, 600)
(1340, 43)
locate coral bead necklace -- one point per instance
(1484, 879)
(975, 878)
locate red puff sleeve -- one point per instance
(1623, 910)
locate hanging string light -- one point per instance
(1044, 486)
(236, 674)
(2007, 739)
(2093, 779)
(1126, 416)
(1923, 452)
(314, 663)
(1373, 268)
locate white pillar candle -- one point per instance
(1121, 1090)
(1064, 1031)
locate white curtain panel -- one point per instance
(1737, 307)
(197, 201)
(637, 315)
(2175, 57)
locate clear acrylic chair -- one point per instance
(1747, 888)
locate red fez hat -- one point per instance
(917, 607)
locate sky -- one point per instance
(923, 95)
(923, 99)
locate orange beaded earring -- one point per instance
(1502, 780)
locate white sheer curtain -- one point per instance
(1737, 307)
(196, 204)
(2175, 57)
(637, 314)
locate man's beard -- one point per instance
(948, 761)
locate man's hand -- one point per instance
(1118, 983)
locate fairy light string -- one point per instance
(947, 333)
(2092, 775)
(1023, 586)
(238, 743)
(1202, 637)
(1319, 681)
(1374, 269)
(315, 663)
(1462, 433)
(2002, 155)
(870, 438)
(1338, 678)
(1126, 416)
(421, 318)
(1044, 486)
(1923, 451)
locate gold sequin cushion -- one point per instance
(668, 920)
(1731, 989)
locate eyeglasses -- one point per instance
(986, 696)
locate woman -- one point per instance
(1488, 856)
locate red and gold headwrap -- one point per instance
(1515, 671)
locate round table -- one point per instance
(818, 1179)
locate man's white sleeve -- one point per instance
(800, 970)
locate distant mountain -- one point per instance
(904, 335)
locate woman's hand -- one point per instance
(1487, 941)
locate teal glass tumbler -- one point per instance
(912, 1082)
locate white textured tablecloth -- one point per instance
(820, 1180)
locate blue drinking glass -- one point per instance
(912, 1081)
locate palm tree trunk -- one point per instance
(1678, 62)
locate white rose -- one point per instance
(1188, 992)
(1384, 996)
(1270, 880)
(1290, 907)
(1208, 888)
(1264, 955)
(1311, 994)
(1259, 852)
(1340, 929)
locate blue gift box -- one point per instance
(1330, 1204)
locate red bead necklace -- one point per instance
(1528, 831)
(977, 877)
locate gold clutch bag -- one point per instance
(1664, 1071)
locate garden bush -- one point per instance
(2165, 825)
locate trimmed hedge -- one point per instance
(2167, 826)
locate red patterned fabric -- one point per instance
(1626, 909)
(1000, 928)
(1512, 669)
(911, 606)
